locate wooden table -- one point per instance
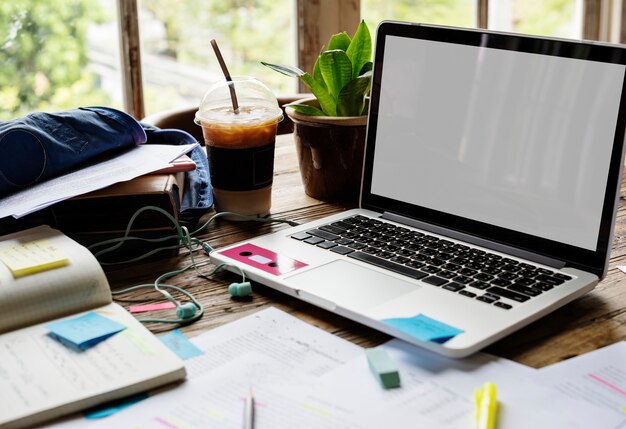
(591, 322)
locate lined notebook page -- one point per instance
(40, 378)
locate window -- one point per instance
(559, 18)
(460, 13)
(57, 55)
(177, 58)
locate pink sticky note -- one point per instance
(151, 307)
(263, 259)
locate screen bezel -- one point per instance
(587, 260)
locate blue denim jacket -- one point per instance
(41, 146)
(198, 193)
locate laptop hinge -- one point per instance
(499, 247)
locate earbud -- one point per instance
(186, 311)
(240, 289)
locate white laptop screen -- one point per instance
(517, 140)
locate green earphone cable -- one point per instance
(185, 239)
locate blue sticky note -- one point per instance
(84, 331)
(179, 344)
(113, 407)
(424, 328)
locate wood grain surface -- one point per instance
(591, 322)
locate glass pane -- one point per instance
(57, 55)
(178, 62)
(460, 13)
(558, 18)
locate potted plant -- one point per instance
(329, 128)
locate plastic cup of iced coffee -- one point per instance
(240, 144)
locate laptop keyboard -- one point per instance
(470, 272)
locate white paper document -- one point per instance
(598, 377)
(216, 399)
(441, 389)
(290, 343)
(303, 377)
(135, 162)
(280, 357)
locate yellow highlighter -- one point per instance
(486, 406)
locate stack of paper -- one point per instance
(304, 377)
(140, 160)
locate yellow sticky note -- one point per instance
(32, 257)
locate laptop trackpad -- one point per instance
(348, 285)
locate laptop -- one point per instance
(488, 195)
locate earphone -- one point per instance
(186, 313)
(193, 310)
(242, 289)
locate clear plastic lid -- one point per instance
(257, 104)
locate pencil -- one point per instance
(248, 411)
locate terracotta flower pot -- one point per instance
(330, 153)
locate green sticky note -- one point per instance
(383, 367)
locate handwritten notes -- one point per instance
(41, 378)
(32, 257)
(84, 331)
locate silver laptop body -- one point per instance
(490, 186)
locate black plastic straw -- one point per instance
(231, 85)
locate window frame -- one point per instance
(130, 61)
(316, 21)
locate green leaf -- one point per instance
(352, 97)
(366, 106)
(284, 69)
(336, 70)
(339, 41)
(360, 49)
(305, 109)
(327, 102)
(368, 66)
(319, 90)
(317, 74)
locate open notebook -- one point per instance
(489, 189)
(47, 277)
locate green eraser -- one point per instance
(383, 367)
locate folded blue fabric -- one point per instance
(41, 146)
(198, 193)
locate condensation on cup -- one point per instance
(240, 146)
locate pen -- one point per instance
(248, 411)
(486, 406)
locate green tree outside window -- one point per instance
(43, 56)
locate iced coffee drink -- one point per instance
(240, 145)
